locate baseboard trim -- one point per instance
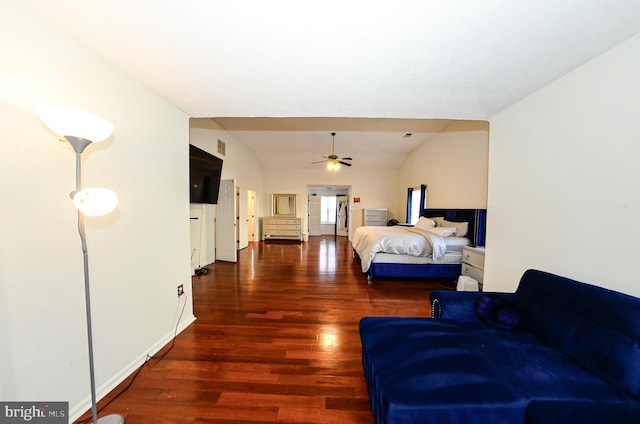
(106, 388)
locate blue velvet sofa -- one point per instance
(573, 356)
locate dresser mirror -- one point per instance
(283, 205)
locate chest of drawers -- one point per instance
(281, 228)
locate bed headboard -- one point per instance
(477, 219)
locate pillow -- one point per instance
(462, 227)
(438, 220)
(497, 311)
(425, 223)
(443, 231)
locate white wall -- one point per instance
(239, 162)
(453, 165)
(138, 255)
(564, 179)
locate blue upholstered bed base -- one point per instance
(390, 270)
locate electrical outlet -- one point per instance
(180, 290)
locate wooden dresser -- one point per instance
(281, 228)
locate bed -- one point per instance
(421, 251)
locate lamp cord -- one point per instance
(147, 358)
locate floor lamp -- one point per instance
(81, 129)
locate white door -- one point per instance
(243, 217)
(226, 222)
(315, 228)
(342, 216)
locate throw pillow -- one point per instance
(497, 311)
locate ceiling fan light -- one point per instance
(333, 160)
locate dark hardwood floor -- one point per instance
(276, 340)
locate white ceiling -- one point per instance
(415, 60)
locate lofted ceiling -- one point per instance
(379, 68)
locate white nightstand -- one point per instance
(473, 263)
(374, 217)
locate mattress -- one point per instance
(455, 244)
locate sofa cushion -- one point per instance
(596, 327)
(426, 370)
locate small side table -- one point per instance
(473, 263)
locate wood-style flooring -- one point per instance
(276, 340)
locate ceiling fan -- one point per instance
(333, 160)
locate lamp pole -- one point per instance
(79, 144)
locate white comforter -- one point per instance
(368, 241)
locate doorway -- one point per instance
(329, 211)
(252, 230)
(246, 219)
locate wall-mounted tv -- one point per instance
(205, 171)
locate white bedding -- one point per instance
(368, 241)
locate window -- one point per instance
(328, 206)
(415, 206)
(416, 203)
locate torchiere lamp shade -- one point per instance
(95, 201)
(67, 121)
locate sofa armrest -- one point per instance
(446, 304)
(453, 305)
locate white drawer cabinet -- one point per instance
(281, 228)
(374, 217)
(473, 263)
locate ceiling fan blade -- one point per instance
(334, 159)
(319, 161)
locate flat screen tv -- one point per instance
(205, 171)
